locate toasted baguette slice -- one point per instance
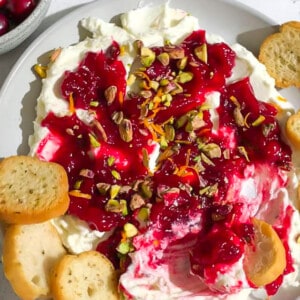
(31, 190)
(86, 276)
(292, 129)
(280, 53)
(29, 254)
(264, 261)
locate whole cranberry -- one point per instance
(20, 9)
(4, 24)
(2, 3)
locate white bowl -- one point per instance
(16, 36)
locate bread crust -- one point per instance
(29, 254)
(280, 53)
(86, 276)
(31, 190)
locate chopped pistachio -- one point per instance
(147, 56)
(123, 206)
(117, 117)
(125, 130)
(146, 94)
(205, 159)
(103, 187)
(93, 141)
(166, 98)
(210, 190)
(177, 90)
(226, 154)
(154, 85)
(94, 103)
(151, 105)
(181, 64)
(145, 158)
(124, 247)
(130, 230)
(110, 94)
(185, 77)
(181, 121)
(175, 52)
(238, 117)
(116, 174)
(114, 190)
(169, 132)
(143, 214)
(77, 184)
(87, 173)
(164, 82)
(243, 152)
(113, 205)
(164, 58)
(267, 128)
(198, 122)
(201, 52)
(146, 190)
(170, 87)
(111, 160)
(163, 142)
(212, 150)
(136, 201)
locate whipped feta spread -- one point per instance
(171, 277)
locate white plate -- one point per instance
(233, 21)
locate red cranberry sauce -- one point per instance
(108, 158)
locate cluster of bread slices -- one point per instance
(35, 262)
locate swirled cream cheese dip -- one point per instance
(172, 142)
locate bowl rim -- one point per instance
(42, 6)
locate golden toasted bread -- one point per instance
(280, 53)
(29, 254)
(86, 276)
(31, 190)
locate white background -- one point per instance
(278, 10)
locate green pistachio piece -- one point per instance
(201, 53)
(185, 77)
(114, 190)
(147, 56)
(93, 141)
(130, 230)
(124, 247)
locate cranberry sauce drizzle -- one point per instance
(108, 157)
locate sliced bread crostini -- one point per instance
(280, 53)
(29, 255)
(85, 276)
(31, 190)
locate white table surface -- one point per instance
(279, 10)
